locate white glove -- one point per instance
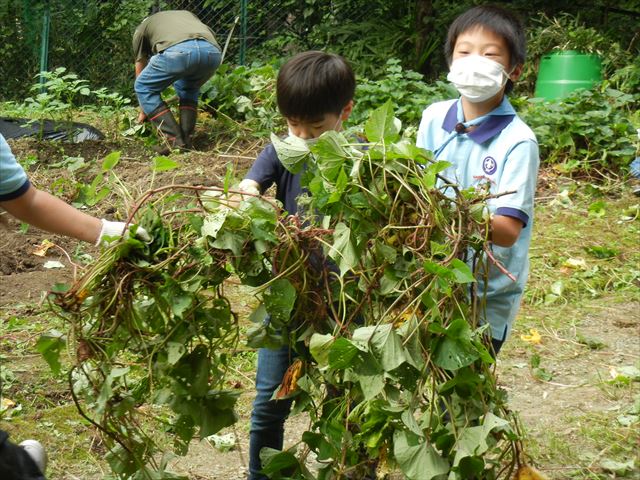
(249, 186)
(115, 229)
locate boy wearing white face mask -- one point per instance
(315, 94)
(487, 143)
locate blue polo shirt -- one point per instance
(13, 179)
(502, 151)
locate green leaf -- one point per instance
(175, 351)
(339, 188)
(110, 161)
(319, 346)
(119, 372)
(366, 370)
(381, 128)
(213, 223)
(471, 467)
(180, 302)
(407, 149)
(228, 178)
(602, 252)
(229, 240)
(341, 353)
(292, 152)
(389, 281)
(275, 461)
(461, 271)
(437, 270)
(472, 441)
(200, 363)
(343, 250)
(385, 252)
(456, 350)
(50, 345)
(598, 209)
(318, 443)
(101, 195)
(465, 383)
(428, 178)
(263, 219)
(385, 344)
(417, 458)
(217, 412)
(279, 300)
(410, 422)
(331, 152)
(162, 164)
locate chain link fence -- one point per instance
(92, 38)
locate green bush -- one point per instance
(406, 89)
(589, 131)
(247, 95)
(244, 94)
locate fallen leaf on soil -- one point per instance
(224, 443)
(53, 264)
(7, 403)
(534, 337)
(576, 263)
(525, 472)
(43, 248)
(618, 468)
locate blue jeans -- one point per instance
(187, 65)
(268, 416)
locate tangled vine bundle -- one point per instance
(370, 285)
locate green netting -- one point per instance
(92, 38)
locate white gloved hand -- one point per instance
(115, 229)
(249, 186)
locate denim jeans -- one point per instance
(187, 65)
(268, 416)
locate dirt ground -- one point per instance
(551, 411)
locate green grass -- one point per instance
(584, 245)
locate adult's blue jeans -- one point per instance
(268, 416)
(186, 66)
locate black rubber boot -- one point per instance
(188, 115)
(168, 129)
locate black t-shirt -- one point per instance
(267, 170)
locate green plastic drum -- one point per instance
(563, 72)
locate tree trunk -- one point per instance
(424, 28)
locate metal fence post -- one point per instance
(44, 44)
(243, 31)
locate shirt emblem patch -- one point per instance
(489, 165)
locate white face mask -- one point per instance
(311, 141)
(308, 141)
(477, 78)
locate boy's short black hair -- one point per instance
(497, 19)
(312, 84)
